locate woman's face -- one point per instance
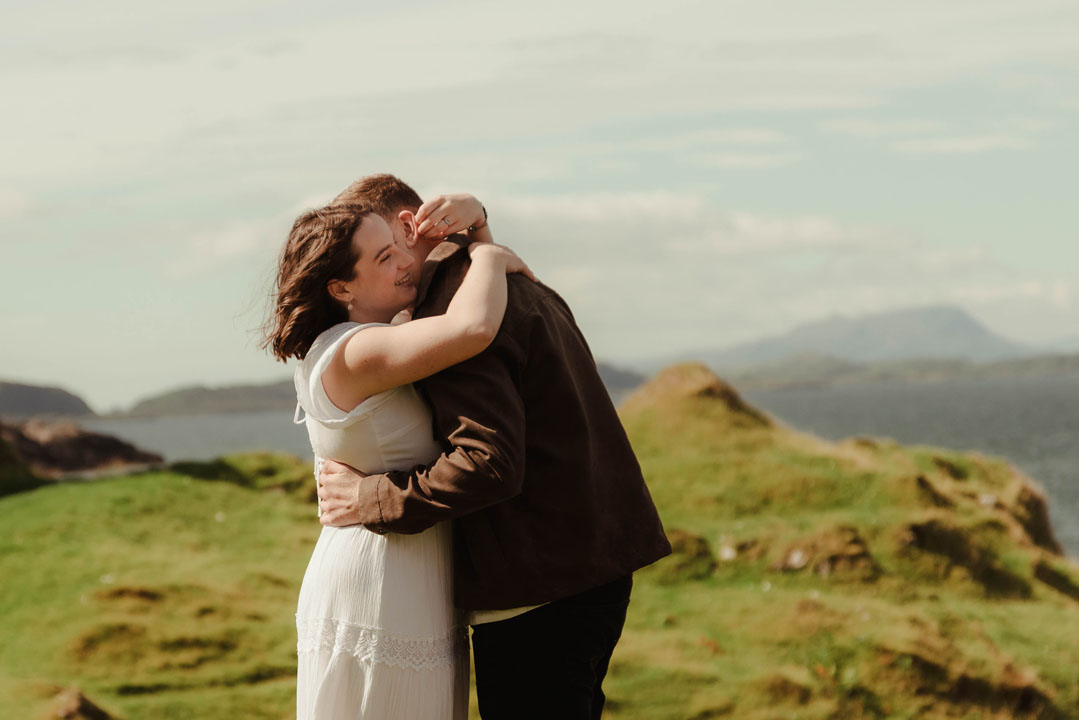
(383, 283)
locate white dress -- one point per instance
(378, 636)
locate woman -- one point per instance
(378, 635)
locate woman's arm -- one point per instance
(381, 358)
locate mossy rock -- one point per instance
(274, 471)
(1060, 575)
(838, 550)
(14, 475)
(955, 546)
(691, 558)
(792, 684)
(258, 470)
(214, 470)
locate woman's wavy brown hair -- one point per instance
(318, 250)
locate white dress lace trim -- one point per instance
(370, 644)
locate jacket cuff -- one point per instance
(369, 499)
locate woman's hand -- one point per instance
(444, 215)
(501, 253)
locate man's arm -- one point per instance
(479, 409)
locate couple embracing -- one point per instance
(472, 470)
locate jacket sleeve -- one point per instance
(478, 408)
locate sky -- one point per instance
(688, 175)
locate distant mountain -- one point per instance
(1063, 345)
(810, 370)
(202, 400)
(18, 400)
(930, 332)
(281, 395)
(618, 380)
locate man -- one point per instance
(551, 512)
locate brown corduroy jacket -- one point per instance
(537, 472)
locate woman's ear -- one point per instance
(338, 291)
(408, 222)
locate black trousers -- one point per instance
(550, 662)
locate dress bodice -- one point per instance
(388, 431)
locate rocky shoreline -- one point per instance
(62, 450)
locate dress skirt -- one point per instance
(378, 636)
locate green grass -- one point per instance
(158, 594)
(816, 580)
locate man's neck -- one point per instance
(422, 249)
(429, 264)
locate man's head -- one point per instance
(396, 202)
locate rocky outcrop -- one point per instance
(71, 704)
(691, 558)
(63, 450)
(838, 550)
(14, 475)
(693, 382)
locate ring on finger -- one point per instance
(447, 221)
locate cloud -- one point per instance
(745, 160)
(713, 138)
(619, 209)
(922, 136)
(214, 248)
(1056, 293)
(253, 239)
(877, 128)
(952, 261)
(13, 203)
(1062, 295)
(755, 233)
(962, 144)
(698, 275)
(676, 226)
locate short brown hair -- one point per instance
(319, 249)
(384, 194)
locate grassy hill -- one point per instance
(811, 580)
(851, 580)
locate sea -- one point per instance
(1032, 421)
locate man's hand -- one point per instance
(444, 215)
(338, 493)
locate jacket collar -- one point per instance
(441, 252)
